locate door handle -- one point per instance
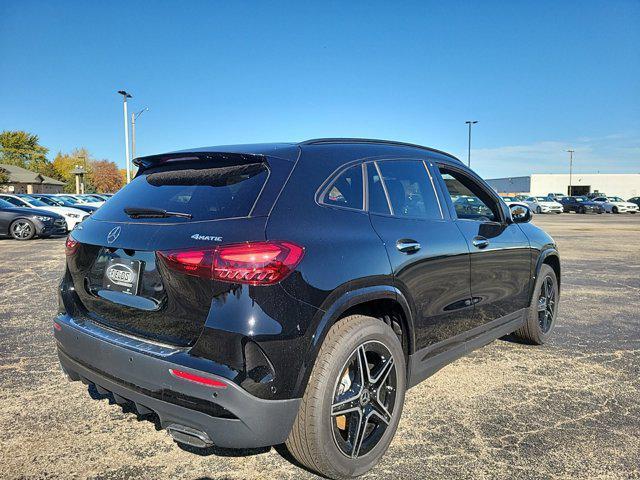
(406, 245)
(480, 242)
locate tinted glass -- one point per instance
(15, 202)
(35, 202)
(206, 193)
(346, 190)
(49, 201)
(5, 204)
(377, 199)
(470, 200)
(409, 188)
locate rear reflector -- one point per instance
(71, 246)
(57, 326)
(257, 263)
(209, 382)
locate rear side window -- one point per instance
(346, 190)
(409, 189)
(203, 191)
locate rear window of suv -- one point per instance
(203, 191)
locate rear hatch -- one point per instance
(120, 269)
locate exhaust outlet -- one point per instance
(189, 436)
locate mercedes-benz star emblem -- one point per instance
(113, 234)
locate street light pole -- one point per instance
(134, 116)
(570, 169)
(470, 122)
(125, 95)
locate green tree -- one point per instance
(64, 163)
(23, 149)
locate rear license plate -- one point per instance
(122, 275)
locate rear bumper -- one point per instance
(230, 417)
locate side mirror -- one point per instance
(520, 213)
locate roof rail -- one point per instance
(322, 141)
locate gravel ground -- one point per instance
(569, 409)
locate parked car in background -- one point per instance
(71, 216)
(513, 200)
(55, 200)
(256, 295)
(580, 205)
(469, 205)
(544, 205)
(593, 195)
(635, 200)
(95, 197)
(556, 196)
(616, 205)
(24, 223)
(82, 199)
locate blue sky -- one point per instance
(539, 76)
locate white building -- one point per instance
(625, 185)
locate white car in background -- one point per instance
(512, 200)
(544, 205)
(85, 200)
(616, 205)
(72, 216)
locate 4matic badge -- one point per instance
(206, 238)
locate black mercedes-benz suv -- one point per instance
(256, 295)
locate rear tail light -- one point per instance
(257, 263)
(71, 247)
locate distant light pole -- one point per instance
(125, 95)
(134, 117)
(470, 122)
(570, 169)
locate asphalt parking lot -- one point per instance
(569, 409)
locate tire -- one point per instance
(582, 210)
(324, 442)
(614, 209)
(537, 331)
(22, 229)
(538, 210)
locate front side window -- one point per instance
(409, 189)
(470, 200)
(346, 191)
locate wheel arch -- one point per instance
(378, 301)
(552, 258)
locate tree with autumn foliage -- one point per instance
(105, 176)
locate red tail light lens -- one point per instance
(71, 246)
(257, 263)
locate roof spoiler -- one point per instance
(143, 163)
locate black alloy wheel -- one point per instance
(546, 304)
(363, 399)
